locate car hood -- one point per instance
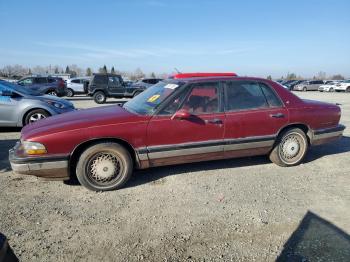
(46, 98)
(79, 119)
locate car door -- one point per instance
(254, 116)
(8, 105)
(115, 86)
(198, 137)
(76, 85)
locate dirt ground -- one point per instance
(244, 209)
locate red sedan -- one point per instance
(179, 120)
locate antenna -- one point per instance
(177, 70)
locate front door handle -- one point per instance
(215, 121)
(278, 115)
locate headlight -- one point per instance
(56, 104)
(32, 148)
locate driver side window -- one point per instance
(203, 99)
(27, 81)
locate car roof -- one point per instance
(214, 78)
(192, 75)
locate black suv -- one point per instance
(102, 86)
(55, 86)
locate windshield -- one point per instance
(19, 89)
(347, 81)
(147, 102)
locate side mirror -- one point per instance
(182, 114)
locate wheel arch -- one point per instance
(97, 90)
(27, 111)
(302, 126)
(79, 149)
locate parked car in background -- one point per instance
(76, 86)
(294, 83)
(146, 82)
(20, 106)
(176, 121)
(343, 87)
(329, 86)
(54, 86)
(311, 85)
(103, 86)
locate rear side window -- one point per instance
(270, 96)
(244, 95)
(76, 81)
(41, 80)
(100, 79)
(51, 80)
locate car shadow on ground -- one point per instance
(10, 129)
(316, 239)
(6, 252)
(5, 146)
(340, 146)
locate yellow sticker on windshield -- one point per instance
(153, 98)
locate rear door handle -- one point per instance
(215, 121)
(278, 115)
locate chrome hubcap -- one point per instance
(290, 147)
(36, 117)
(100, 98)
(104, 168)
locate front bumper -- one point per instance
(322, 136)
(53, 167)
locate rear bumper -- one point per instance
(322, 136)
(53, 168)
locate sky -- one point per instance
(255, 38)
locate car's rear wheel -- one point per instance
(35, 115)
(290, 149)
(70, 92)
(331, 89)
(52, 93)
(304, 89)
(104, 166)
(100, 97)
(347, 89)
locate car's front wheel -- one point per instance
(104, 166)
(137, 93)
(347, 89)
(100, 97)
(290, 149)
(304, 89)
(35, 115)
(70, 92)
(52, 93)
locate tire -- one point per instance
(35, 115)
(70, 92)
(304, 89)
(52, 93)
(137, 93)
(290, 149)
(331, 89)
(100, 97)
(347, 89)
(97, 165)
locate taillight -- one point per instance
(61, 84)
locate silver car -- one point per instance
(311, 85)
(20, 106)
